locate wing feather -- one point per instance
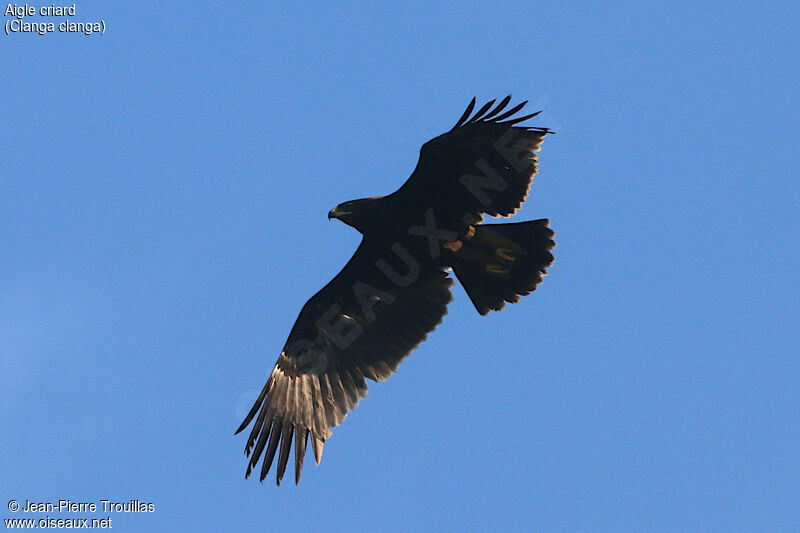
(275, 435)
(510, 111)
(482, 111)
(503, 103)
(465, 116)
(286, 445)
(300, 442)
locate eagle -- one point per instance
(396, 287)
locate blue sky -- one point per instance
(163, 218)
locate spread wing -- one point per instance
(485, 164)
(359, 326)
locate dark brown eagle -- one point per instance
(395, 289)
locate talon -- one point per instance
(505, 254)
(494, 268)
(453, 246)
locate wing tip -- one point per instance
(486, 114)
(317, 444)
(466, 113)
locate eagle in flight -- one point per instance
(395, 289)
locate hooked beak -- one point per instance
(337, 213)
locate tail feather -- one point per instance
(502, 262)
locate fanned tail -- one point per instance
(502, 262)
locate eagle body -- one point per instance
(396, 288)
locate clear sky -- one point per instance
(165, 188)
